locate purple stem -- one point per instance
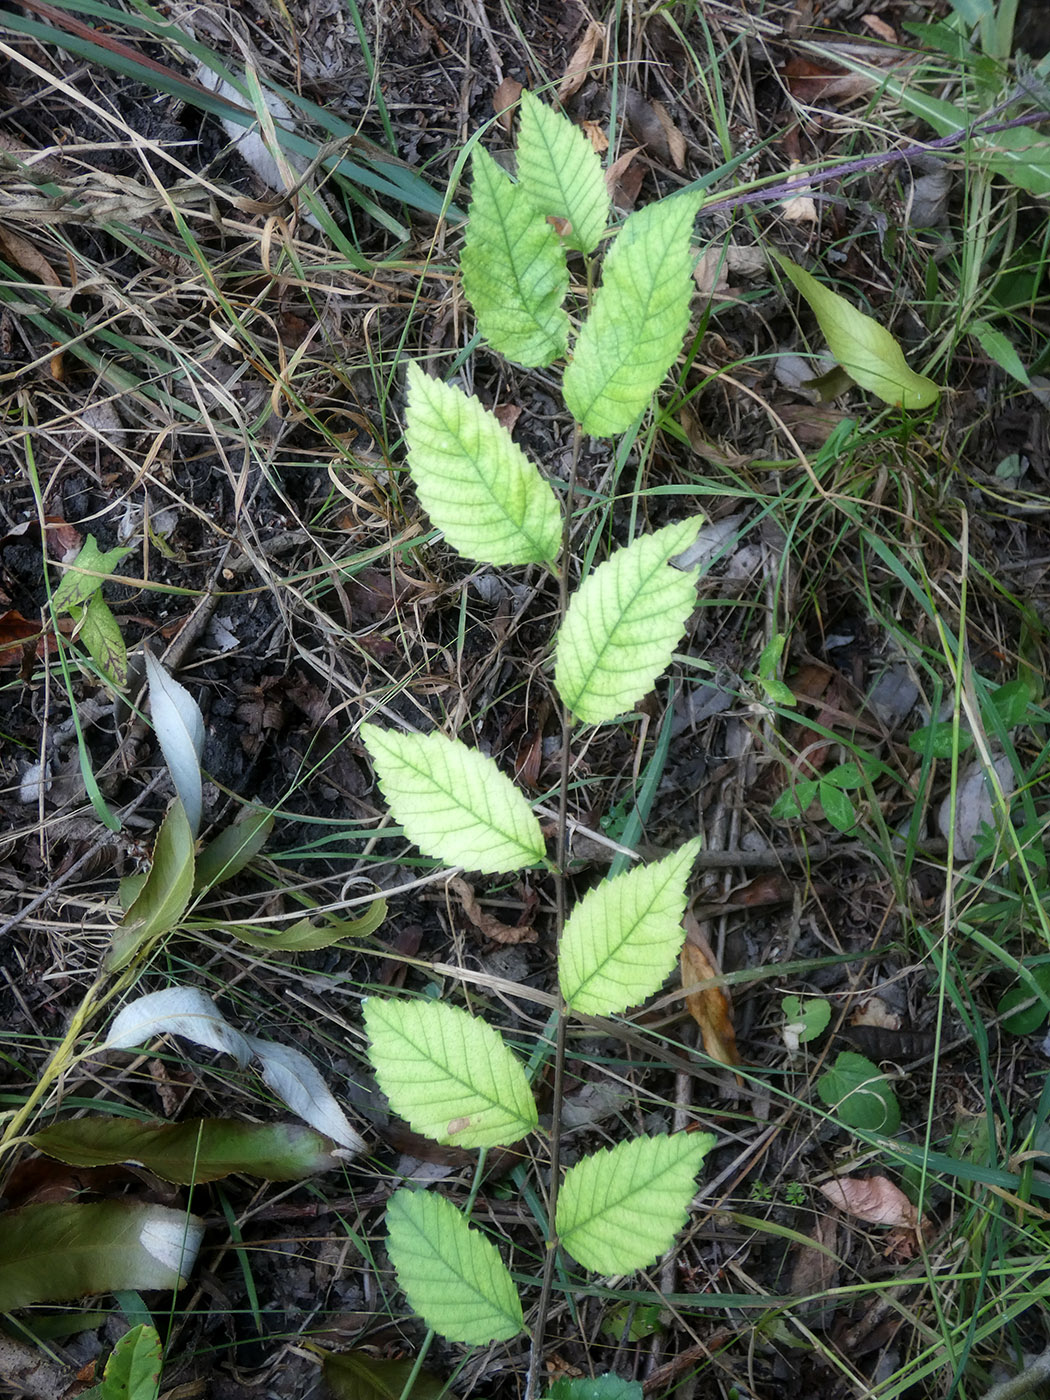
(790, 189)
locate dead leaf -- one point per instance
(815, 82)
(596, 135)
(873, 1011)
(504, 100)
(27, 256)
(873, 1199)
(711, 273)
(676, 146)
(488, 924)
(800, 208)
(816, 1269)
(709, 1007)
(623, 180)
(645, 126)
(580, 60)
(507, 415)
(879, 28)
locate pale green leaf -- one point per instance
(641, 313)
(450, 1273)
(54, 1252)
(859, 1094)
(233, 848)
(1000, 349)
(622, 939)
(164, 897)
(179, 727)
(195, 1150)
(514, 270)
(475, 482)
(623, 624)
(562, 173)
(806, 1020)
(133, 1369)
(448, 1074)
(99, 633)
(861, 346)
(86, 574)
(620, 1209)
(453, 802)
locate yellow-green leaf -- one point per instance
(862, 347)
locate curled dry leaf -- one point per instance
(709, 1007)
(580, 61)
(488, 924)
(873, 1199)
(504, 100)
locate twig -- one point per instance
(1030, 1377)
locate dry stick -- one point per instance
(543, 1306)
(1030, 1377)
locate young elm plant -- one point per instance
(447, 1072)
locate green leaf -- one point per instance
(620, 1209)
(622, 939)
(453, 802)
(164, 897)
(514, 270)
(450, 1273)
(623, 624)
(86, 574)
(999, 349)
(561, 171)
(794, 801)
(939, 739)
(473, 479)
(51, 1253)
(1032, 1017)
(606, 1387)
(1010, 703)
(863, 347)
(358, 1375)
(233, 849)
(447, 1073)
(641, 313)
(837, 807)
(808, 1019)
(99, 633)
(201, 1149)
(304, 936)
(133, 1369)
(860, 1095)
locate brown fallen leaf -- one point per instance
(873, 1199)
(676, 146)
(873, 1011)
(816, 1270)
(709, 1007)
(503, 102)
(28, 257)
(623, 180)
(580, 61)
(488, 924)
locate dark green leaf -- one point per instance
(607, 1387)
(357, 1375)
(860, 1095)
(51, 1253)
(233, 848)
(202, 1149)
(165, 895)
